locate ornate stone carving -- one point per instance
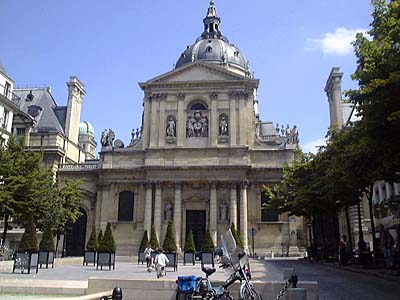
(158, 96)
(107, 138)
(239, 95)
(181, 96)
(171, 127)
(197, 125)
(119, 144)
(214, 95)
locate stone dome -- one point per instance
(213, 47)
(85, 128)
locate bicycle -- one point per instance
(235, 263)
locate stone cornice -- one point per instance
(249, 83)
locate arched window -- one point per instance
(125, 206)
(198, 106)
(267, 214)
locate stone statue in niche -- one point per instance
(223, 211)
(171, 127)
(223, 126)
(168, 211)
(197, 125)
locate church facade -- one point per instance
(201, 158)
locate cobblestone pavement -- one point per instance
(338, 283)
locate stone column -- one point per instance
(157, 211)
(214, 123)
(382, 194)
(148, 209)
(232, 121)
(181, 123)
(388, 189)
(135, 202)
(213, 212)
(162, 125)
(154, 122)
(146, 124)
(178, 213)
(242, 121)
(243, 215)
(233, 206)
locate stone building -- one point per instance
(53, 128)
(8, 105)
(200, 159)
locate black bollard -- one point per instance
(293, 280)
(117, 294)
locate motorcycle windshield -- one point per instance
(228, 243)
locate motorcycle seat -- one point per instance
(208, 271)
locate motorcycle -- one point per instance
(235, 263)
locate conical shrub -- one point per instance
(145, 241)
(170, 241)
(99, 238)
(47, 242)
(107, 243)
(29, 241)
(189, 243)
(153, 239)
(208, 244)
(92, 244)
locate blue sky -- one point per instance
(112, 45)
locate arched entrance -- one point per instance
(76, 235)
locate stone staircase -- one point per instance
(123, 234)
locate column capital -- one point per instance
(148, 185)
(213, 185)
(244, 184)
(178, 184)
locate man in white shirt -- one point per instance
(147, 255)
(161, 262)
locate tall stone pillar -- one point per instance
(148, 209)
(181, 122)
(213, 212)
(214, 123)
(242, 121)
(233, 121)
(233, 206)
(162, 125)
(157, 211)
(243, 215)
(146, 124)
(178, 213)
(155, 106)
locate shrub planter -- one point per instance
(26, 261)
(207, 258)
(141, 258)
(173, 260)
(46, 258)
(188, 257)
(89, 257)
(105, 259)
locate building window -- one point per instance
(125, 206)
(7, 90)
(20, 131)
(267, 214)
(4, 119)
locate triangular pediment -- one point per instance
(197, 71)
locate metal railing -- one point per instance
(8, 94)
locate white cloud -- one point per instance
(338, 42)
(313, 146)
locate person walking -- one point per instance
(147, 256)
(161, 262)
(387, 243)
(343, 260)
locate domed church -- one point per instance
(201, 159)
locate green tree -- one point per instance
(29, 240)
(377, 98)
(153, 239)
(170, 240)
(23, 179)
(145, 241)
(99, 237)
(107, 243)
(189, 243)
(208, 244)
(92, 244)
(47, 242)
